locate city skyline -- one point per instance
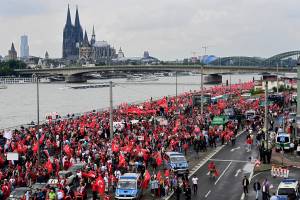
(168, 29)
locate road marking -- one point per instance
(208, 173)
(237, 172)
(201, 164)
(250, 177)
(207, 194)
(242, 161)
(204, 161)
(232, 150)
(257, 174)
(223, 173)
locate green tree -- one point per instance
(7, 67)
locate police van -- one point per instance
(129, 186)
(288, 189)
(283, 142)
(176, 162)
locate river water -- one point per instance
(18, 102)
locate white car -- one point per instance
(288, 188)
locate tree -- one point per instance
(7, 67)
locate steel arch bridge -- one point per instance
(277, 59)
(237, 61)
(282, 59)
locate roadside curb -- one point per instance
(202, 162)
(198, 166)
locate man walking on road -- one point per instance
(195, 184)
(245, 184)
(256, 187)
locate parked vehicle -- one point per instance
(283, 141)
(129, 186)
(288, 189)
(177, 162)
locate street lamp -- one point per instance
(38, 114)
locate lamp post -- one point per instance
(298, 96)
(277, 78)
(38, 115)
(176, 86)
(111, 129)
(266, 114)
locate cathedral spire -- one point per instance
(93, 39)
(69, 22)
(77, 21)
(86, 40)
(12, 47)
(93, 31)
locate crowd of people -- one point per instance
(142, 134)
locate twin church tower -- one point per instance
(73, 37)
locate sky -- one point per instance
(168, 29)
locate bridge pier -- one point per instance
(213, 79)
(75, 79)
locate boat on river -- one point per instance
(144, 78)
(100, 85)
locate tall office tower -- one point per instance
(24, 48)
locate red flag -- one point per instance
(35, 147)
(167, 173)
(121, 160)
(42, 138)
(158, 176)
(146, 180)
(114, 147)
(1, 162)
(48, 166)
(101, 185)
(67, 150)
(159, 160)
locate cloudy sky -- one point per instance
(168, 29)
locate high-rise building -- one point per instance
(12, 53)
(72, 37)
(24, 48)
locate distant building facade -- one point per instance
(72, 37)
(96, 52)
(12, 53)
(146, 59)
(24, 47)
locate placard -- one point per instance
(12, 156)
(140, 138)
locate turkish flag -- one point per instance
(159, 160)
(35, 147)
(101, 185)
(114, 147)
(42, 138)
(67, 150)
(121, 160)
(146, 180)
(48, 166)
(167, 173)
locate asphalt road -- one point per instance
(261, 176)
(233, 164)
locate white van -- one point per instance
(288, 187)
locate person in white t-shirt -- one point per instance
(274, 197)
(195, 184)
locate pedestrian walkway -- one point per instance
(290, 160)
